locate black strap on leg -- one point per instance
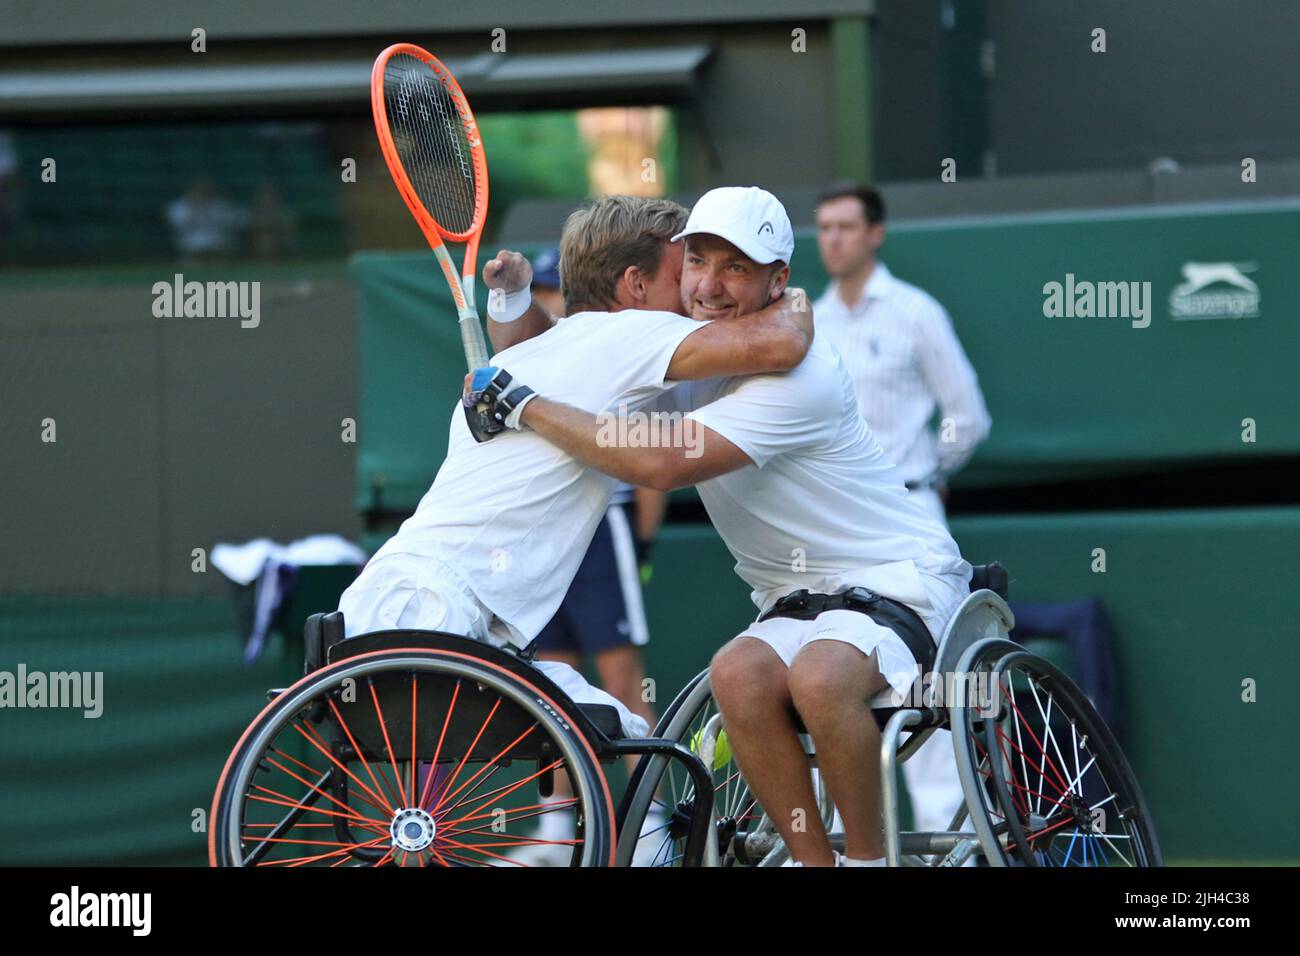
(805, 605)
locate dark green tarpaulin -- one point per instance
(123, 788)
(1085, 396)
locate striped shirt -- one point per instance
(905, 361)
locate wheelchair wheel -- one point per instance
(1046, 781)
(744, 835)
(407, 757)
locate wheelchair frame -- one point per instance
(975, 639)
(327, 648)
(978, 631)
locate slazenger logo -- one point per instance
(1233, 296)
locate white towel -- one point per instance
(275, 569)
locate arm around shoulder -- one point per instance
(775, 339)
(694, 453)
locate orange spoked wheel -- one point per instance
(408, 757)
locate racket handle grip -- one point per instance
(471, 336)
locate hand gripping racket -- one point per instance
(435, 154)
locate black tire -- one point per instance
(1047, 782)
(646, 761)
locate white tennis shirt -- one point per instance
(904, 360)
(512, 517)
(821, 507)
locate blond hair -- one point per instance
(601, 240)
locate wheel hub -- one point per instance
(1082, 813)
(412, 830)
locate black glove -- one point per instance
(492, 397)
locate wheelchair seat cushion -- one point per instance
(605, 718)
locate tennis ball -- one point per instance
(721, 748)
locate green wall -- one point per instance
(1199, 601)
(122, 788)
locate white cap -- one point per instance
(751, 219)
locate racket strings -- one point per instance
(429, 133)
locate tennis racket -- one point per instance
(435, 154)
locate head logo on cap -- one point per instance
(751, 219)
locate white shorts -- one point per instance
(787, 635)
(386, 596)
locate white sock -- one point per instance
(842, 860)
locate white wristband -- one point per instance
(512, 420)
(506, 306)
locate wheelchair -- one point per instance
(1045, 782)
(417, 748)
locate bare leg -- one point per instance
(621, 672)
(750, 685)
(831, 682)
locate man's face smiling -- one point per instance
(721, 282)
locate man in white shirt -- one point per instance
(905, 361)
(602, 618)
(494, 544)
(805, 500)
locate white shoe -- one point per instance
(842, 860)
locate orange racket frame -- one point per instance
(462, 284)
